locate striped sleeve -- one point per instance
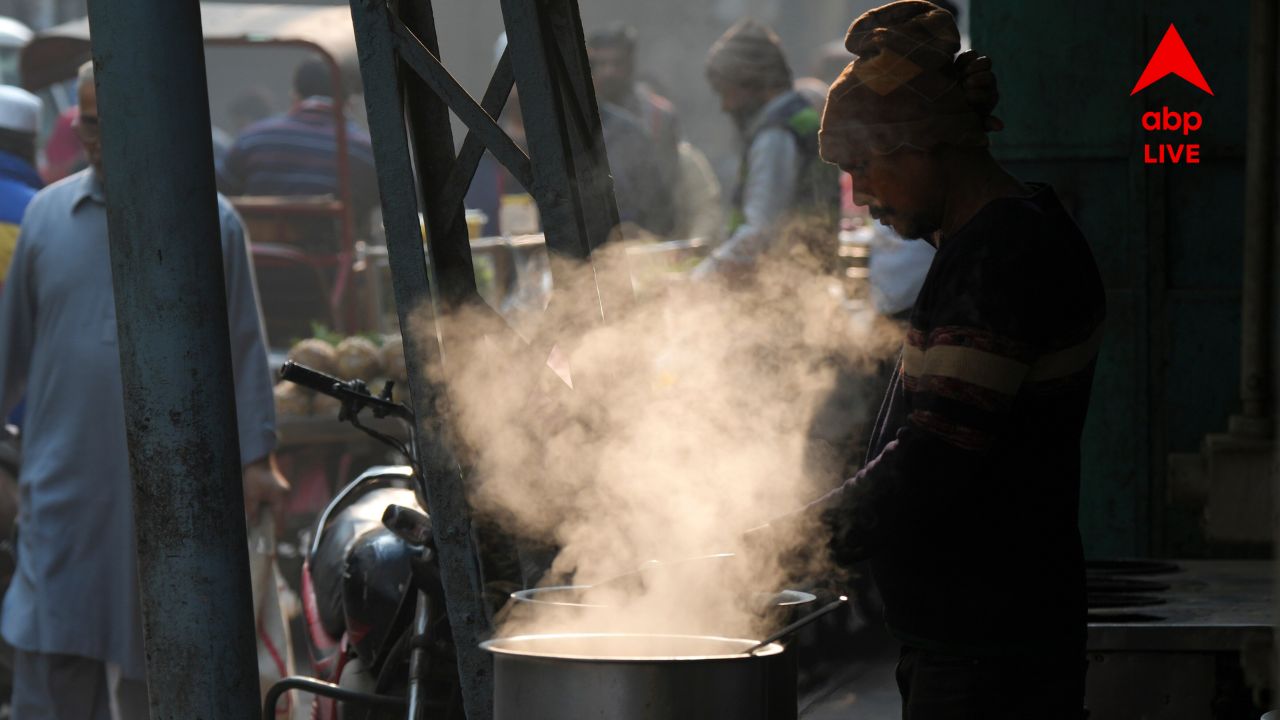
(975, 340)
(1004, 338)
(962, 381)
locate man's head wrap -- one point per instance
(749, 54)
(907, 88)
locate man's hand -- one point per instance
(264, 485)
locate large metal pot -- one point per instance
(615, 676)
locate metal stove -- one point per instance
(1187, 639)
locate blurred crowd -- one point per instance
(666, 187)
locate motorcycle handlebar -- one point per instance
(310, 379)
(351, 392)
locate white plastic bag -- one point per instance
(271, 617)
(897, 270)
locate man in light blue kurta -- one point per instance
(72, 611)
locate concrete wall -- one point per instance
(1168, 239)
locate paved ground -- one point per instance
(846, 662)
(861, 687)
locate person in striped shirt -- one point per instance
(297, 153)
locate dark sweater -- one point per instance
(968, 504)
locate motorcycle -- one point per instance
(377, 626)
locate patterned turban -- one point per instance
(749, 54)
(907, 88)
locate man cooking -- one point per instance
(967, 505)
(72, 612)
(296, 154)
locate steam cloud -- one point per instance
(691, 419)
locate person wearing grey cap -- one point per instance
(780, 176)
(19, 181)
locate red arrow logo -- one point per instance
(1172, 58)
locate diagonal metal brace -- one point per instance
(495, 99)
(443, 482)
(428, 67)
(410, 96)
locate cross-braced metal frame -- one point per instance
(409, 94)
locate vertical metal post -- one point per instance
(568, 60)
(1262, 226)
(174, 358)
(1259, 228)
(571, 183)
(546, 128)
(443, 481)
(418, 659)
(409, 94)
(433, 153)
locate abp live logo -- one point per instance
(1171, 58)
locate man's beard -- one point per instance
(915, 230)
(908, 227)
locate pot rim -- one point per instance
(496, 647)
(531, 595)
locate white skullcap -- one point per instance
(19, 110)
(13, 34)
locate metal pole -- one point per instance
(1261, 195)
(175, 361)
(416, 305)
(434, 158)
(1259, 229)
(418, 660)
